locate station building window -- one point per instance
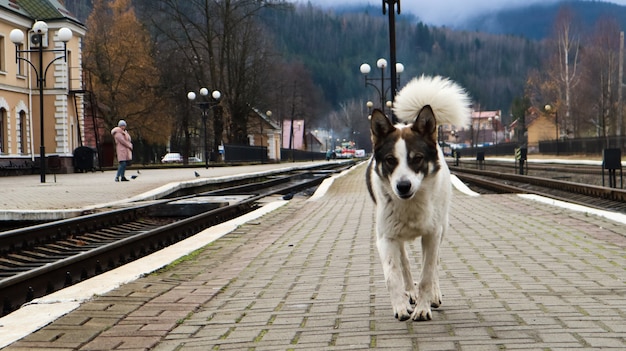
(3, 131)
(3, 60)
(22, 133)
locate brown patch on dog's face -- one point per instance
(380, 127)
(408, 150)
(384, 138)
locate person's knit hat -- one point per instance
(121, 123)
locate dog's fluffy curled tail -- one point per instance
(449, 101)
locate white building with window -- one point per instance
(63, 120)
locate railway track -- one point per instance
(580, 173)
(583, 194)
(41, 259)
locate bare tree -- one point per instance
(224, 48)
(603, 62)
(568, 47)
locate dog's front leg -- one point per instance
(429, 293)
(410, 286)
(391, 256)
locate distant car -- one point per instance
(172, 157)
(359, 153)
(194, 159)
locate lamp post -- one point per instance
(205, 106)
(269, 116)
(264, 154)
(455, 151)
(494, 127)
(39, 32)
(389, 105)
(382, 92)
(490, 121)
(389, 9)
(556, 121)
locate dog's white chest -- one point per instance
(408, 220)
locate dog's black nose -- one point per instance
(403, 187)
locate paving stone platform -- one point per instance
(515, 274)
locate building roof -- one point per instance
(485, 114)
(532, 115)
(45, 10)
(264, 117)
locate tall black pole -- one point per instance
(556, 120)
(392, 48)
(42, 148)
(382, 88)
(293, 110)
(206, 146)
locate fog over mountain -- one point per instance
(452, 13)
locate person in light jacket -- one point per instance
(123, 149)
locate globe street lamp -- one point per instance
(494, 127)
(269, 116)
(370, 106)
(39, 32)
(382, 92)
(211, 101)
(264, 154)
(548, 108)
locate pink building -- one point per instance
(298, 134)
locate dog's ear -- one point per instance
(426, 125)
(380, 125)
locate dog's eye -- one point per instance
(417, 159)
(391, 161)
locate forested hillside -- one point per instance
(332, 46)
(303, 61)
(536, 21)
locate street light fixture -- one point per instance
(548, 108)
(39, 31)
(370, 106)
(495, 127)
(205, 106)
(269, 116)
(382, 92)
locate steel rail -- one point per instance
(584, 194)
(572, 187)
(94, 258)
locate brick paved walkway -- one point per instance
(515, 275)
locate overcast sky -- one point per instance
(444, 12)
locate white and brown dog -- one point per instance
(409, 181)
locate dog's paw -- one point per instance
(424, 303)
(422, 310)
(422, 313)
(413, 294)
(437, 300)
(402, 309)
(403, 314)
